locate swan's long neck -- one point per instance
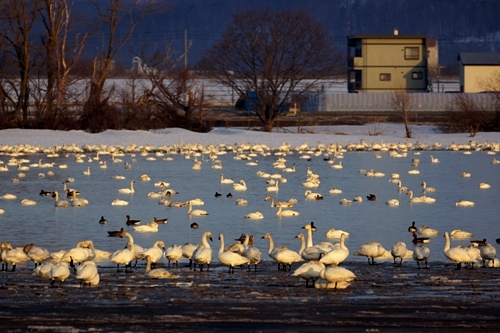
(221, 249)
(410, 193)
(190, 207)
(309, 237)
(57, 196)
(279, 210)
(204, 239)
(302, 245)
(446, 242)
(245, 243)
(271, 244)
(342, 242)
(272, 201)
(132, 185)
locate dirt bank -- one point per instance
(384, 298)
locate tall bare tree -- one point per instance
(278, 55)
(61, 53)
(401, 103)
(113, 14)
(18, 19)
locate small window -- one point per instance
(417, 75)
(385, 77)
(412, 53)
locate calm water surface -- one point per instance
(61, 228)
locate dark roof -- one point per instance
(386, 36)
(479, 58)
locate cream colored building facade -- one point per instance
(387, 63)
(476, 68)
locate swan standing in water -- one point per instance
(155, 252)
(337, 274)
(12, 256)
(371, 250)
(128, 190)
(399, 250)
(456, 254)
(282, 255)
(87, 274)
(125, 256)
(195, 212)
(59, 271)
(230, 258)
(252, 253)
(173, 253)
(421, 253)
(203, 253)
(336, 255)
(488, 252)
(311, 270)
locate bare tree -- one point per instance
(174, 90)
(112, 14)
(60, 56)
(401, 103)
(278, 55)
(18, 19)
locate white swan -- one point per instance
(371, 250)
(337, 166)
(426, 231)
(240, 186)
(484, 185)
(150, 227)
(427, 189)
(310, 270)
(144, 178)
(128, 190)
(282, 255)
(43, 270)
(464, 203)
(392, 202)
(336, 255)
(155, 252)
(399, 250)
(290, 203)
(465, 174)
(242, 202)
(308, 252)
(9, 196)
(273, 188)
(456, 254)
(119, 202)
(310, 195)
(345, 201)
(158, 273)
(195, 212)
(59, 271)
(187, 252)
(78, 202)
(460, 234)
(488, 252)
(286, 212)
(125, 256)
(292, 169)
(336, 233)
(174, 253)
(12, 256)
(86, 172)
(59, 203)
(413, 172)
(230, 258)
(36, 254)
(203, 253)
(337, 274)
(28, 202)
(421, 253)
(170, 203)
(252, 253)
(225, 180)
(87, 274)
(334, 191)
(254, 216)
(421, 199)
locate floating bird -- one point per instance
(132, 222)
(229, 195)
(45, 193)
(217, 194)
(119, 233)
(160, 221)
(478, 243)
(371, 197)
(412, 228)
(103, 220)
(194, 225)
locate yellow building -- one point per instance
(476, 69)
(387, 63)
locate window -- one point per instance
(412, 53)
(385, 77)
(417, 75)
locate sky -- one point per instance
(388, 133)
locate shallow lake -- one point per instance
(61, 228)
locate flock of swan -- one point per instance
(319, 263)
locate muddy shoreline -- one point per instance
(384, 298)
